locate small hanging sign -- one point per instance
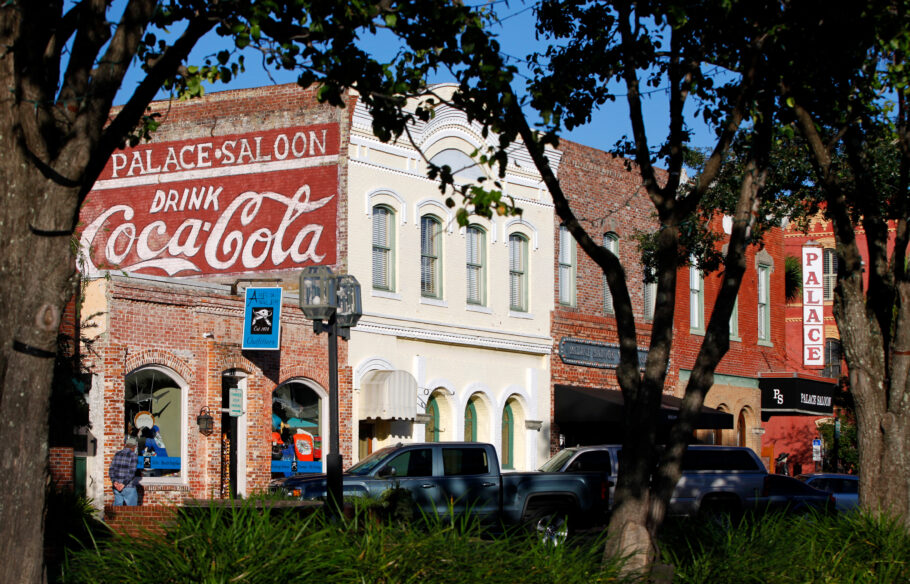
(262, 319)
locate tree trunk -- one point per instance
(882, 401)
(36, 276)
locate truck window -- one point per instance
(722, 460)
(412, 463)
(465, 461)
(593, 460)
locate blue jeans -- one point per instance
(128, 496)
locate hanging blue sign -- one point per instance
(262, 319)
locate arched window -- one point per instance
(463, 167)
(431, 432)
(611, 242)
(297, 430)
(475, 252)
(430, 257)
(508, 437)
(741, 429)
(153, 413)
(518, 273)
(470, 422)
(383, 248)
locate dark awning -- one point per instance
(796, 394)
(587, 404)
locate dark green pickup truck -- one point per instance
(465, 476)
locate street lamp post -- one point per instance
(333, 304)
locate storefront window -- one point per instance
(153, 412)
(296, 434)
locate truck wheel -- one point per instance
(551, 527)
(720, 512)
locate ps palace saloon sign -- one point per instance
(240, 203)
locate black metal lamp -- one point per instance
(317, 293)
(347, 292)
(335, 300)
(205, 421)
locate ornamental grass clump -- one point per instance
(846, 548)
(259, 543)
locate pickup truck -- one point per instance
(714, 478)
(465, 477)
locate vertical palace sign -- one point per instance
(229, 204)
(813, 308)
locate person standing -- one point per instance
(123, 474)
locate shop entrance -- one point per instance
(233, 437)
(367, 432)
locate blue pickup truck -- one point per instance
(465, 476)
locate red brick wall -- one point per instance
(745, 357)
(197, 332)
(62, 467)
(133, 521)
(606, 198)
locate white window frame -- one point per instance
(649, 297)
(696, 299)
(432, 258)
(386, 247)
(476, 265)
(734, 320)
(567, 267)
(764, 304)
(518, 274)
(611, 242)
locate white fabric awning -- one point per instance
(388, 395)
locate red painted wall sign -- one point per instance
(230, 204)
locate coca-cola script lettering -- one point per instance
(257, 217)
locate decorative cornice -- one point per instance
(449, 338)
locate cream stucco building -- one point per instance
(454, 343)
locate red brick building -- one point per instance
(235, 191)
(610, 202)
(802, 403)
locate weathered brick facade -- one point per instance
(608, 198)
(191, 326)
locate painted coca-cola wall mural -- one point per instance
(262, 201)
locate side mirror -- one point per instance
(388, 471)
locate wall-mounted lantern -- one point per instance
(205, 421)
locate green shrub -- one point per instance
(251, 544)
(850, 547)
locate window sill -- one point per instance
(697, 331)
(763, 343)
(156, 486)
(433, 301)
(736, 339)
(525, 315)
(385, 294)
(479, 308)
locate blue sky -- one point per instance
(516, 35)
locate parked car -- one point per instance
(464, 477)
(714, 479)
(790, 495)
(844, 487)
